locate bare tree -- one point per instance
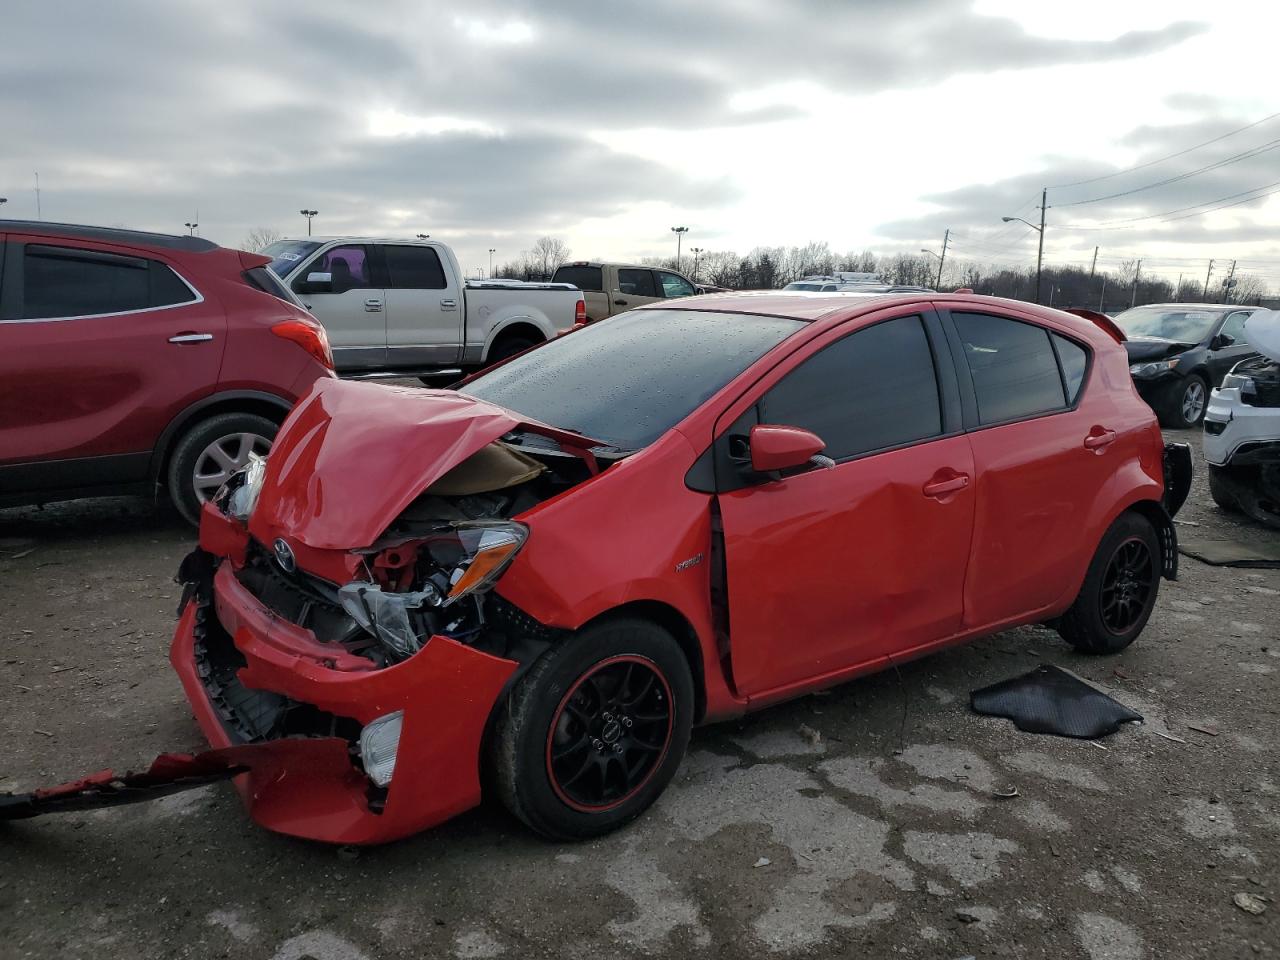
(260, 237)
(547, 254)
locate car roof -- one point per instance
(615, 264)
(169, 241)
(829, 309)
(1196, 306)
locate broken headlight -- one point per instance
(239, 495)
(1241, 382)
(474, 554)
(386, 615)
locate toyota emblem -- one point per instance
(284, 556)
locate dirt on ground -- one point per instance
(865, 822)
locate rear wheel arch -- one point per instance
(516, 330)
(1155, 513)
(239, 401)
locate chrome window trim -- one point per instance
(199, 298)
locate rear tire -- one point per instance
(509, 347)
(1221, 489)
(1119, 590)
(595, 731)
(209, 452)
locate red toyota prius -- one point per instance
(542, 580)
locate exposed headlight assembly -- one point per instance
(239, 495)
(477, 553)
(1154, 368)
(1238, 381)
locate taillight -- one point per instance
(309, 336)
(580, 312)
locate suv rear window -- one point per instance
(584, 278)
(74, 282)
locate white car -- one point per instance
(1242, 428)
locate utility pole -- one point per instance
(946, 238)
(696, 251)
(1133, 297)
(1044, 195)
(1103, 295)
(1093, 266)
(492, 251)
(1209, 273)
(1229, 283)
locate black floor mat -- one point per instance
(1050, 700)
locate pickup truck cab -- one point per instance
(403, 305)
(612, 288)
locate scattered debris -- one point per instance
(1231, 553)
(348, 853)
(1186, 523)
(762, 862)
(1051, 700)
(45, 733)
(965, 917)
(810, 734)
(1095, 743)
(1200, 729)
(1250, 903)
(1008, 793)
(24, 553)
(1167, 736)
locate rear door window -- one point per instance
(62, 282)
(584, 278)
(414, 268)
(674, 285)
(1013, 367)
(638, 283)
(874, 389)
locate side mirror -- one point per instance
(775, 448)
(1222, 340)
(317, 283)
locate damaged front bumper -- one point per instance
(266, 686)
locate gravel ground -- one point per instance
(858, 823)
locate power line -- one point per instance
(1154, 216)
(1247, 154)
(1152, 163)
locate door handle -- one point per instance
(940, 488)
(1099, 439)
(191, 338)
(449, 304)
(619, 303)
(373, 305)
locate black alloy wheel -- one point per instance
(1127, 585)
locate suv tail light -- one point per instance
(580, 311)
(309, 336)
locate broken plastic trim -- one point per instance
(386, 615)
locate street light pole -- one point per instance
(679, 232)
(696, 252)
(191, 228)
(492, 251)
(308, 214)
(1044, 195)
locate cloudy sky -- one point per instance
(870, 125)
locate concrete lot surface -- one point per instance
(861, 823)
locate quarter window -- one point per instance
(74, 282)
(1014, 371)
(675, 286)
(1074, 362)
(874, 389)
(638, 283)
(584, 278)
(414, 268)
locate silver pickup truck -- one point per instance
(403, 306)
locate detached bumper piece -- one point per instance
(169, 773)
(1177, 476)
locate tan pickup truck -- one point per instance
(611, 288)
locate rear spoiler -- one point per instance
(251, 260)
(1101, 320)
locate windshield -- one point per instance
(1183, 324)
(287, 254)
(628, 380)
(802, 286)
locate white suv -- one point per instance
(1242, 428)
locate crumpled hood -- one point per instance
(1262, 330)
(1143, 349)
(351, 456)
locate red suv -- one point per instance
(131, 361)
(688, 512)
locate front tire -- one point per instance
(1119, 590)
(1220, 488)
(595, 731)
(211, 451)
(1188, 403)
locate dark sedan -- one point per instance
(1179, 351)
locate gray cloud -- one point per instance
(135, 112)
